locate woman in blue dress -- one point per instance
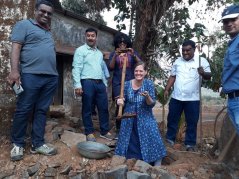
(139, 137)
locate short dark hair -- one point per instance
(39, 2)
(120, 37)
(189, 42)
(91, 30)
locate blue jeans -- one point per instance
(191, 112)
(94, 93)
(233, 111)
(38, 94)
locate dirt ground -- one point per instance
(198, 164)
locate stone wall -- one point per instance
(11, 11)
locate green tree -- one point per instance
(82, 8)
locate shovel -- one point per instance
(120, 111)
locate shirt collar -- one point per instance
(231, 40)
(90, 48)
(37, 24)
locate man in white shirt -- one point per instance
(185, 78)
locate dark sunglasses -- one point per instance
(45, 12)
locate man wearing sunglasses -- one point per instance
(33, 65)
(230, 75)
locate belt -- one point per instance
(233, 94)
(94, 80)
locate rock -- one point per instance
(25, 175)
(54, 165)
(71, 139)
(167, 176)
(137, 175)
(142, 166)
(6, 173)
(130, 163)
(157, 170)
(72, 173)
(50, 172)
(117, 160)
(33, 169)
(50, 125)
(56, 133)
(94, 176)
(79, 176)
(118, 172)
(57, 111)
(75, 120)
(59, 130)
(66, 170)
(71, 129)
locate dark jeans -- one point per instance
(191, 111)
(38, 94)
(94, 92)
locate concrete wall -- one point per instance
(68, 30)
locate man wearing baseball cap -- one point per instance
(230, 75)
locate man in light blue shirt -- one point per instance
(88, 80)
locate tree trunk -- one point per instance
(148, 14)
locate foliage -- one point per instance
(216, 65)
(82, 8)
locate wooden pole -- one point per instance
(200, 108)
(125, 59)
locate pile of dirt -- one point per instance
(68, 163)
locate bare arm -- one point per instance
(169, 85)
(112, 62)
(14, 75)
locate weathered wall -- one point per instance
(11, 11)
(70, 31)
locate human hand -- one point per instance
(201, 71)
(78, 92)
(166, 94)
(131, 51)
(120, 101)
(14, 77)
(145, 94)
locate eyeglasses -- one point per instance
(226, 21)
(45, 12)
